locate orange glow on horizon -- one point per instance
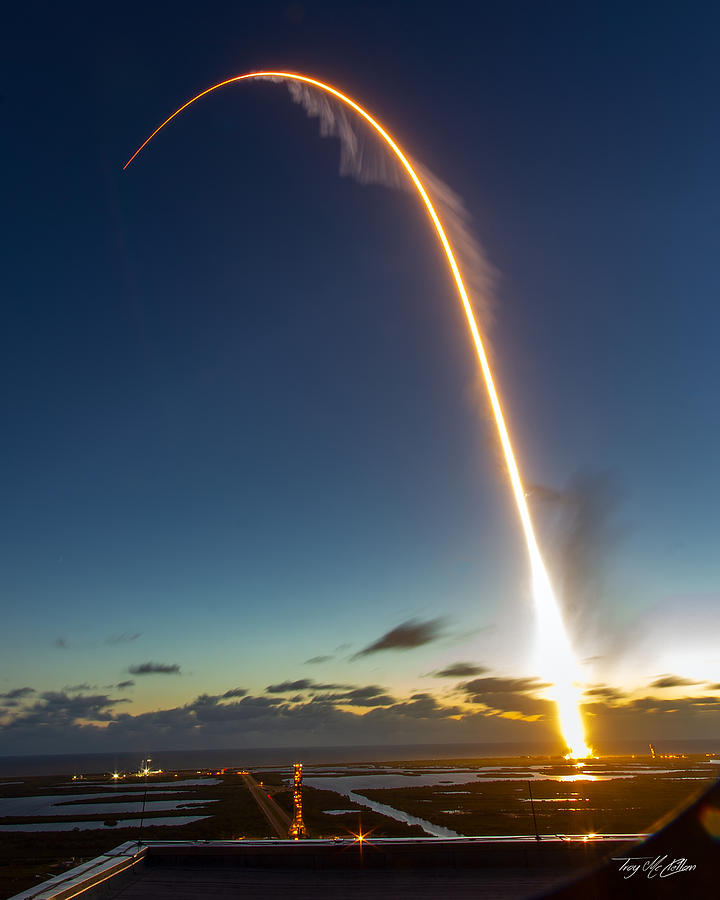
(556, 659)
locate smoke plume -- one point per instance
(583, 522)
(365, 157)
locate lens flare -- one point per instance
(557, 663)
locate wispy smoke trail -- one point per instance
(585, 529)
(364, 157)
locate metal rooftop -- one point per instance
(417, 868)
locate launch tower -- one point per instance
(297, 829)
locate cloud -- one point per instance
(55, 713)
(671, 681)
(302, 684)
(122, 685)
(407, 636)
(343, 694)
(653, 719)
(18, 693)
(85, 705)
(460, 670)
(152, 668)
(496, 709)
(75, 688)
(509, 696)
(369, 696)
(372, 695)
(502, 685)
(605, 691)
(420, 706)
(125, 638)
(315, 660)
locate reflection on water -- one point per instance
(343, 786)
(389, 781)
(582, 776)
(369, 782)
(400, 816)
(64, 805)
(95, 826)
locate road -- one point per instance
(278, 819)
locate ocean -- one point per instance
(168, 759)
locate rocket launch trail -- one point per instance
(556, 659)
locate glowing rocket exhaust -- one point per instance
(556, 660)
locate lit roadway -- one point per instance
(278, 819)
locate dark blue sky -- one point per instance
(238, 388)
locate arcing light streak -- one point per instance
(557, 660)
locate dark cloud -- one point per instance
(314, 660)
(369, 696)
(125, 638)
(86, 706)
(503, 709)
(510, 702)
(56, 713)
(460, 670)
(18, 693)
(407, 636)
(605, 691)
(653, 719)
(420, 706)
(153, 668)
(369, 692)
(502, 685)
(123, 685)
(708, 702)
(302, 684)
(75, 688)
(508, 695)
(235, 692)
(671, 681)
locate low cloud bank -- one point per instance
(482, 710)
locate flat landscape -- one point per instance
(52, 823)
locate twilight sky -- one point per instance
(250, 491)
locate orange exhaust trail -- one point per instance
(557, 661)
